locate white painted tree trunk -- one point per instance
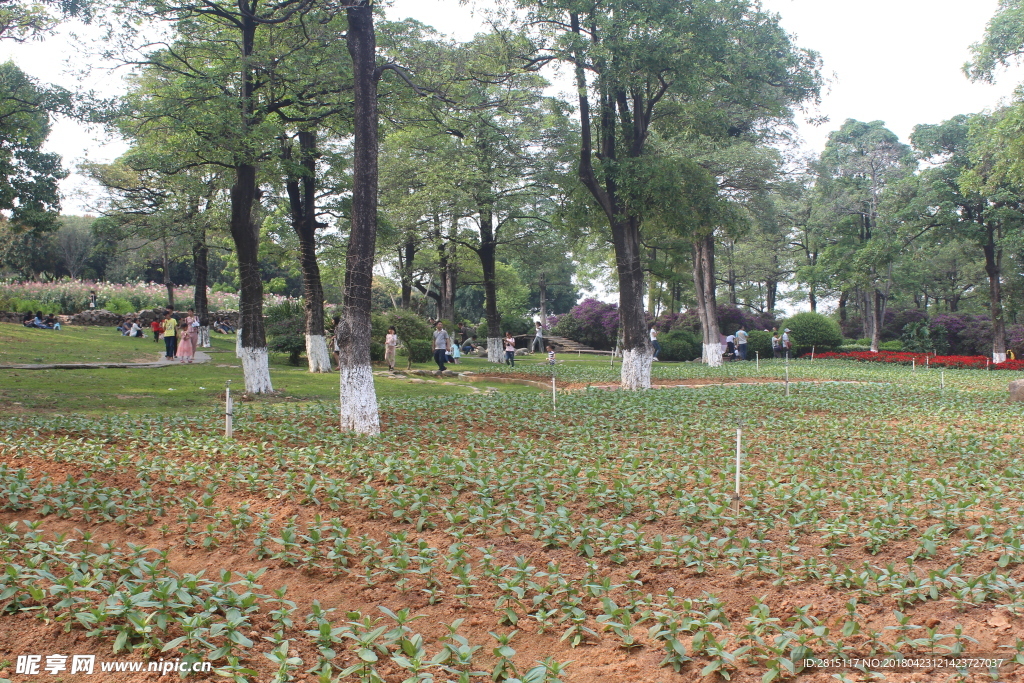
(495, 350)
(713, 354)
(238, 343)
(317, 353)
(636, 368)
(998, 357)
(256, 370)
(204, 337)
(358, 400)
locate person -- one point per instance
(27, 319)
(135, 330)
(551, 354)
(193, 331)
(469, 346)
(776, 344)
(39, 322)
(170, 335)
(442, 346)
(185, 346)
(52, 322)
(730, 346)
(124, 326)
(456, 353)
(92, 299)
(158, 328)
(538, 339)
(787, 343)
(335, 348)
(510, 349)
(390, 344)
(741, 343)
(463, 333)
(654, 343)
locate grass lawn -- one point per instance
(172, 389)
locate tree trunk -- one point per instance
(246, 236)
(406, 256)
(771, 289)
(486, 253)
(302, 202)
(993, 268)
(843, 297)
(200, 264)
(167, 276)
(812, 298)
(543, 286)
(637, 352)
(358, 396)
(451, 285)
(877, 315)
(707, 305)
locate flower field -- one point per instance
(925, 359)
(495, 540)
(72, 296)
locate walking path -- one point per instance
(200, 357)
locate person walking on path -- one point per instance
(654, 343)
(170, 335)
(776, 344)
(741, 343)
(509, 343)
(538, 339)
(193, 330)
(390, 344)
(442, 346)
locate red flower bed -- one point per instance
(924, 359)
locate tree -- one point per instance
(646, 65)
(74, 243)
(28, 176)
(859, 163)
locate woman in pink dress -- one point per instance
(186, 345)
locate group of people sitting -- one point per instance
(130, 327)
(222, 326)
(39, 321)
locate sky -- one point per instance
(892, 60)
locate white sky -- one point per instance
(894, 60)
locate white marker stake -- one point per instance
(736, 496)
(554, 406)
(228, 412)
(913, 365)
(757, 363)
(812, 353)
(787, 376)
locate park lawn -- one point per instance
(174, 388)
(73, 344)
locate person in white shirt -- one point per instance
(654, 343)
(741, 343)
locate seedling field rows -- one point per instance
(488, 539)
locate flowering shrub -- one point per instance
(905, 358)
(71, 296)
(590, 322)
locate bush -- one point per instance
(759, 342)
(516, 326)
(407, 324)
(376, 352)
(594, 323)
(120, 306)
(812, 329)
(679, 345)
(894, 345)
(418, 350)
(919, 337)
(287, 335)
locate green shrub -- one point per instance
(894, 345)
(679, 345)
(407, 324)
(850, 348)
(120, 306)
(759, 342)
(376, 352)
(919, 337)
(866, 341)
(813, 329)
(419, 350)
